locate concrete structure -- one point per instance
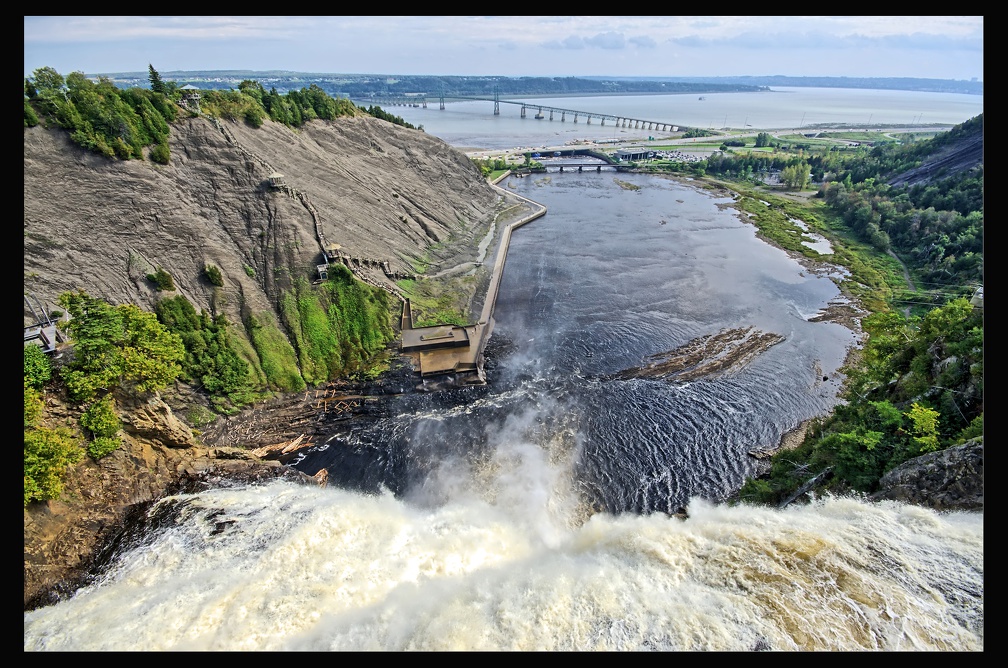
(632, 154)
(190, 97)
(445, 349)
(44, 332)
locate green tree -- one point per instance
(925, 427)
(30, 117)
(33, 405)
(101, 420)
(254, 115)
(155, 80)
(37, 367)
(48, 82)
(161, 154)
(213, 274)
(797, 176)
(117, 345)
(162, 279)
(48, 454)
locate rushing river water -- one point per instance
(537, 513)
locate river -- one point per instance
(540, 511)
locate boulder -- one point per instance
(950, 479)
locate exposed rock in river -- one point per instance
(728, 351)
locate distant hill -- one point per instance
(362, 86)
(971, 87)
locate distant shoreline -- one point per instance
(353, 85)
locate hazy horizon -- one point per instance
(921, 47)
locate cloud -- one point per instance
(572, 42)
(607, 40)
(938, 47)
(643, 41)
(822, 41)
(58, 29)
(610, 40)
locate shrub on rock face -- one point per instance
(102, 446)
(254, 116)
(160, 153)
(101, 420)
(213, 275)
(30, 117)
(48, 453)
(162, 279)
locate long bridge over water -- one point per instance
(541, 110)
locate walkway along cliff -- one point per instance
(452, 355)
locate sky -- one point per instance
(933, 47)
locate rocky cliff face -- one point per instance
(160, 454)
(388, 196)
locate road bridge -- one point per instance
(561, 114)
(580, 166)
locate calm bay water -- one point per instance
(472, 124)
(534, 514)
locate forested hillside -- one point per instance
(921, 199)
(917, 385)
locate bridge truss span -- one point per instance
(575, 115)
(539, 111)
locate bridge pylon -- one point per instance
(497, 102)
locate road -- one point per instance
(517, 154)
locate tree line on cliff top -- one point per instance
(123, 123)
